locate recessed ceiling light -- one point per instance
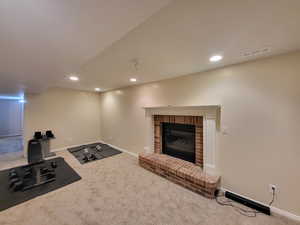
(74, 78)
(97, 89)
(132, 79)
(215, 58)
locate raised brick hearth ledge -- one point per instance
(181, 172)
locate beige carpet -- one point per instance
(117, 191)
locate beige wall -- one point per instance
(73, 116)
(260, 111)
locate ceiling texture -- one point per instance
(108, 42)
(42, 41)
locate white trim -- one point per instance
(284, 213)
(273, 209)
(209, 139)
(87, 143)
(183, 106)
(210, 113)
(71, 146)
(122, 150)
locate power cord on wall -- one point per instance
(242, 211)
(273, 196)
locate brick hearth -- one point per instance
(181, 172)
(190, 120)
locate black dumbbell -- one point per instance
(85, 158)
(17, 185)
(12, 181)
(50, 176)
(27, 169)
(27, 174)
(12, 174)
(44, 170)
(53, 164)
(93, 157)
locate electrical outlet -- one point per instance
(225, 130)
(272, 187)
(147, 149)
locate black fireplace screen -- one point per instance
(178, 140)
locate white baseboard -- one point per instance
(113, 146)
(64, 148)
(284, 213)
(121, 149)
(274, 210)
(71, 146)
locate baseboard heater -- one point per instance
(247, 202)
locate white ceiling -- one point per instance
(42, 41)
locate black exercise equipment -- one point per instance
(34, 152)
(36, 173)
(98, 148)
(38, 135)
(13, 181)
(92, 152)
(12, 174)
(44, 139)
(17, 186)
(49, 134)
(15, 191)
(53, 165)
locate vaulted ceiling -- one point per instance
(42, 42)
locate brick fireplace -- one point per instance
(175, 133)
(205, 118)
(196, 122)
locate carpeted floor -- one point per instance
(117, 191)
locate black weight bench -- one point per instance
(34, 174)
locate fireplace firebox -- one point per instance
(178, 140)
(184, 131)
